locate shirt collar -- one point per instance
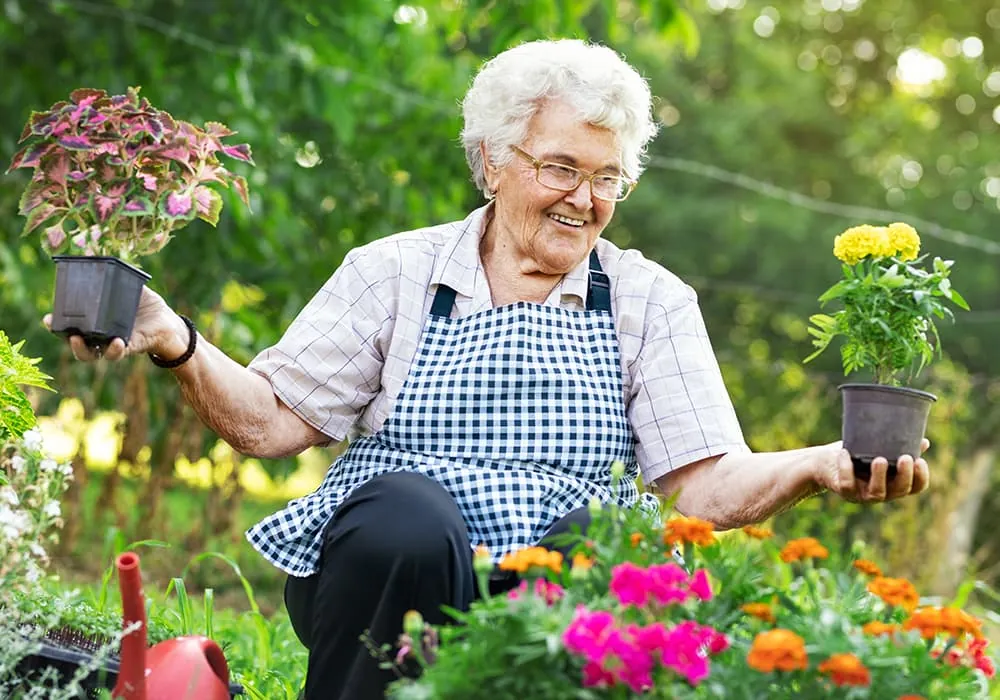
(460, 267)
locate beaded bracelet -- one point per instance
(192, 343)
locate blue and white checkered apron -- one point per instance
(517, 411)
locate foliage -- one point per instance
(676, 611)
(113, 175)
(16, 371)
(890, 303)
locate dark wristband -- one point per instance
(192, 343)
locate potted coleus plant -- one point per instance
(113, 178)
(889, 305)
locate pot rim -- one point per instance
(885, 388)
(103, 258)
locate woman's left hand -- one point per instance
(837, 475)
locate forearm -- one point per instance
(236, 403)
(742, 488)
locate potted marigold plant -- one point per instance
(675, 610)
(112, 179)
(889, 304)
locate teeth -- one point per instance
(567, 220)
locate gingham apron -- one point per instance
(517, 411)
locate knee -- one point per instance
(400, 517)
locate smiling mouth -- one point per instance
(576, 223)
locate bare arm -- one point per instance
(236, 403)
(738, 489)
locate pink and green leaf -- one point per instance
(138, 205)
(76, 143)
(239, 152)
(39, 216)
(218, 130)
(56, 168)
(209, 204)
(240, 185)
(104, 206)
(54, 236)
(86, 96)
(29, 157)
(178, 205)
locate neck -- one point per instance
(512, 274)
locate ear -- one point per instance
(490, 171)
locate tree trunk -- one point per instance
(135, 406)
(162, 470)
(974, 484)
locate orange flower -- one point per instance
(895, 591)
(876, 628)
(778, 649)
(683, 529)
(758, 533)
(954, 622)
(846, 669)
(867, 567)
(804, 548)
(762, 611)
(582, 562)
(524, 559)
(636, 538)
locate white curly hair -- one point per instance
(594, 79)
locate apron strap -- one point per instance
(599, 289)
(598, 292)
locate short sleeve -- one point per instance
(678, 406)
(327, 367)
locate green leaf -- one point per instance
(958, 299)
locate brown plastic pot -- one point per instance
(883, 421)
(96, 297)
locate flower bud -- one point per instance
(594, 507)
(482, 563)
(413, 624)
(617, 470)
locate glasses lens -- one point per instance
(611, 187)
(561, 177)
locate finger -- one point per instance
(903, 483)
(921, 476)
(876, 488)
(80, 349)
(115, 350)
(47, 321)
(847, 484)
(925, 445)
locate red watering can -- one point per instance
(185, 668)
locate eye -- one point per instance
(563, 172)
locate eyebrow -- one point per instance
(570, 160)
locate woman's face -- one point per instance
(551, 229)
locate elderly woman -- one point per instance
(491, 370)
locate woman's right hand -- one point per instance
(158, 330)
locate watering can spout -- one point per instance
(184, 668)
(131, 683)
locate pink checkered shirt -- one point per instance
(343, 361)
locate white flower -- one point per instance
(52, 509)
(17, 463)
(48, 465)
(33, 573)
(66, 469)
(32, 439)
(8, 496)
(36, 550)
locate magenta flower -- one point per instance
(587, 634)
(629, 584)
(668, 584)
(700, 585)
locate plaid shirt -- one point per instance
(342, 363)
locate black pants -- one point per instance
(397, 543)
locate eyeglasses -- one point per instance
(566, 178)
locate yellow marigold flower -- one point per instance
(904, 241)
(876, 628)
(859, 242)
(684, 529)
(804, 548)
(524, 559)
(582, 562)
(895, 591)
(846, 669)
(758, 533)
(779, 649)
(635, 538)
(866, 566)
(762, 611)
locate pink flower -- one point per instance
(594, 676)
(700, 586)
(668, 583)
(634, 665)
(685, 652)
(551, 592)
(587, 634)
(629, 584)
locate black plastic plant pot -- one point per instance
(96, 297)
(883, 421)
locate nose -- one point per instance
(582, 197)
